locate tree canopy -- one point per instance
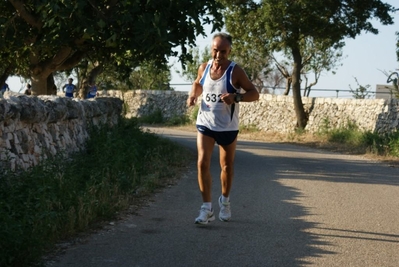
(287, 26)
(41, 37)
(190, 72)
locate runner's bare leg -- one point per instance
(205, 145)
(226, 159)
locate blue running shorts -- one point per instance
(221, 138)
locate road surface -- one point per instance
(291, 206)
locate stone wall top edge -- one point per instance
(159, 92)
(44, 108)
(267, 96)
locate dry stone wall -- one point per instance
(31, 128)
(140, 103)
(275, 113)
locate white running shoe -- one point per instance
(225, 211)
(205, 216)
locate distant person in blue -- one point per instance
(69, 88)
(4, 88)
(92, 91)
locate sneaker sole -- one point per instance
(211, 219)
(224, 220)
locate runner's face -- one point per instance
(220, 50)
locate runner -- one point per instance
(219, 81)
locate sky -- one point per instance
(365, 58)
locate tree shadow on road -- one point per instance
(278, 225)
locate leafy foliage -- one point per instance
(319, 59)
(149, 76)
(361, 92)
(190, 72)
(355, 140)
(40, 37)
(288, 26)
(156, 117)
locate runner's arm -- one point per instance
(196, 89)
(241, 80)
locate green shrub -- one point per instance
(349, 134)
(393, 144)
(125, 108)
(325, 127)
(155, 117)
(178, 120)
(60, 197)
(248, 128)
(374, 142)
(194, 113)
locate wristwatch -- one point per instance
(238, 98)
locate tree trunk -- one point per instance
(308, 92)
(40, 71)
(4, 75)
(90, 80)
(83, 88)
(39, 85)
(51, 87)
(296, 89)
(288, 82)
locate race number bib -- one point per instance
(213, 101)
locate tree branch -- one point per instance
(59, 58)
(25, 14)
(72, 61)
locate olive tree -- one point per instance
(38, 38)
(286, 26)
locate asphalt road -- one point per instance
(291, 206)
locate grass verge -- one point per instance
(348, 140)
(61, 197)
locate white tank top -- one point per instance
(213, 113)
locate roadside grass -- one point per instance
(351, 138)
(62, 197)
(348, 139)
(157, 118)
(248, 129)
